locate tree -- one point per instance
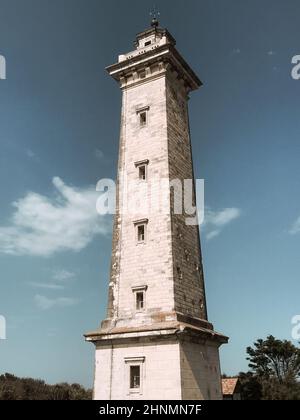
(275, 370)
(251, 387)
(275, 358)
(13, 388)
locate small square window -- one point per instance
(143, 118)
(140, 301)
(141, 230)
(135, 377)
(147, 43)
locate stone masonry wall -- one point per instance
(159, 380)
(200, 371)
(150, 263)
(169, 263)
(188, 270)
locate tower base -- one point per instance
(175, 361)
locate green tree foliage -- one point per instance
(275, 371)
(275, 358)
(13, 388)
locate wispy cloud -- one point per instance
(63, 275)
(295, 227)
(30, 154)
(52, 332)
(44, 303)
(215, 221)
(41, 226)
(47, 286)
(213, 234)
(58, 280)
(99, 154)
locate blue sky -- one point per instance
(59, 127)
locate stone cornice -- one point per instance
(161, 331)
(163, 55)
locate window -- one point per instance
(135, 377)
(139, 294)
(142, 173)
(141, 233)
(139, 301)
(143, 114)
(134, 369)
(142, 169)
(143, 118)
(140, 227)
(147, 43)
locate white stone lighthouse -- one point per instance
(156, 343)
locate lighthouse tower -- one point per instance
(156, 342)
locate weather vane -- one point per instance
(155, 15)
